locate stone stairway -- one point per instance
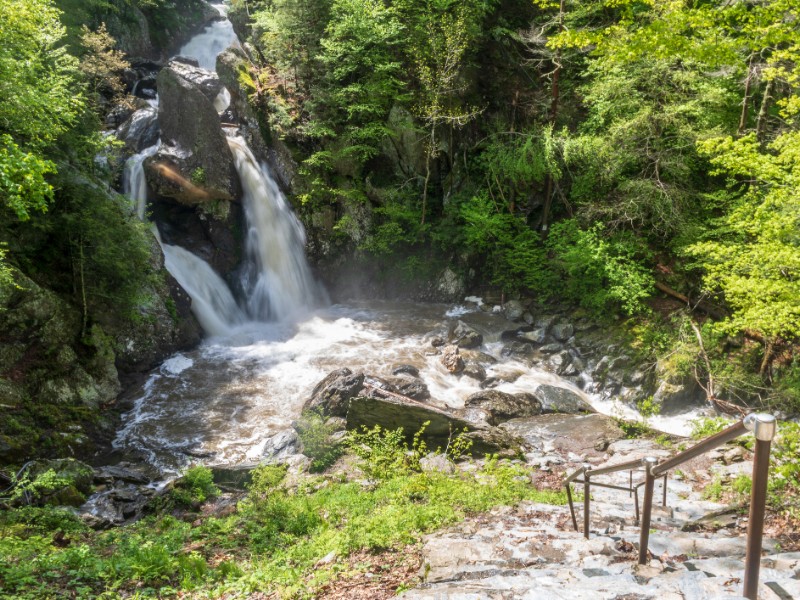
(533, 552)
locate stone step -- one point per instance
(532, 552)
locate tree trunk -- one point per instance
(746, 100)
(428, 157)
(763, 113)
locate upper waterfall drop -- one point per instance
(277, 280)
(216, 37)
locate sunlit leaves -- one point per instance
(753, 257)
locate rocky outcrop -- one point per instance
(501, 406)
(451, 359)
(194, 164)
(166, 323)
(235, 72)
(51, 376)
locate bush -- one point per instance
(195, 487)
(319, 442)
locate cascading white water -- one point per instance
(278, 283)
(134, 183)
(212, 301)
(215, 38)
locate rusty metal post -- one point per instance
(644, 525)
(763, 427)
(586, 501)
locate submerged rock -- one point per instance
(465, 336)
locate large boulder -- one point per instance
(556, 399)
(194, 164)
(501, 406)
(391, 412)
(332, 395)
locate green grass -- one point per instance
(271, 543)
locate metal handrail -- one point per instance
(763, 426)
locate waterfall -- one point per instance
(215, 38)
(277, 281)
(134, 184)
(212, 301)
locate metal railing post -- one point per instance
(644, 525)
(763, 427)
(586, 501)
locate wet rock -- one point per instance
(477, 356)
(518, 349)
(513, 310)
(561, 400)
(207, 81)
(140, 130)
(474, 371)
(551, 348)
(405, 370)
(411, 387)
(332, 395)
(502, 406)
(195, 164)
(562, 331)
(122, 503)
(451, 359)
(534, 336)
(465, 336)
(112, 473)
(545, 321)
(118, 115)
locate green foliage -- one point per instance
(37, 94)
(706, 426)
(385, 453)
(317, 437)
(23, 187)
(602, 271)
(515, 257)
(273, 543)
(785, 469)
(195, 486)
(753, 255)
